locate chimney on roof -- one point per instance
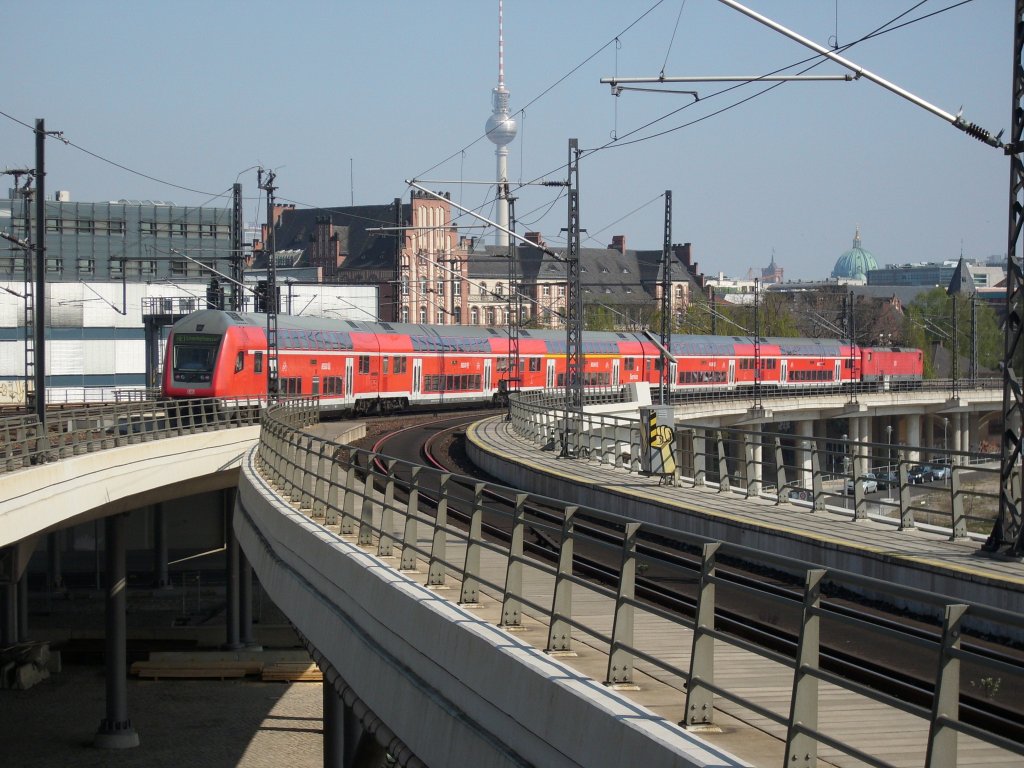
(535, 238)
(618, 243)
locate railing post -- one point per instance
(332, 506)
(780, 473)
(471, 569)
(511, 602)
(817, 488)
(365, 537)
(559, 628)
(699, 457)
(906, 500)
(320, 482)
(802, 746)
(860, 507)
(723, 463)
(959, 523)
(700, 701)
(348, 507)
(752, 464)
(308, 475)
(942, 736)
(412, 511)
(387, 514)
(620, 655)
(438, 549)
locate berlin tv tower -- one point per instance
(501, 130)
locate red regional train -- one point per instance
(363, 367)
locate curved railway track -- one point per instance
(896, 668)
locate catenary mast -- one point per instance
(501, 130)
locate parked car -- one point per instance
(887, 480)
(920, 473)
(869, 483)
(941, 472)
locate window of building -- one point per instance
(475, 315)
(405, 314)
(490, 316)
(457, 315)
(561, 291)
(86, 266)
(423, 315)
(439, 318)
(499, 288)
(483, 289)
(546, 291)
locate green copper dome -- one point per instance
(855, 263)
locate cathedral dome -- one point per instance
(855, 263)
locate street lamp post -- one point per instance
(846, 467)
(888, 455)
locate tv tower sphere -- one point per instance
(501, 126)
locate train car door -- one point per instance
(487, 375)
(615, 373)
(315, 390)
(417, 375)
(550, 381)
(672, 373)
(348, 378)
(839, 371)
(783, 365)
(732, 372)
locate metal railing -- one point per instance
(817, 472)
(72, 432)
(361, 492)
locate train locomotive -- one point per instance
(364, 367)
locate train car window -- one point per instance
(239, 362)
(364, 363)
(534, 363)
(384, 365)
(629, 363)
(257, 362)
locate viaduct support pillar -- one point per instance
(245, 602)
(913, 441)
(116, 731)
(160, 574)
(53, 560)
(9, 614)
(22, 599)
(232, 642)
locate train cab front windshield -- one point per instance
(195, 355)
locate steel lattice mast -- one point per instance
(1007, 530)
(574, 362)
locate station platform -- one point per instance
(914, 557)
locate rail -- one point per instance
(358, 490)
(816, 472)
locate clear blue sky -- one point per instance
(347, 100)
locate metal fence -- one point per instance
(816, 472)
(72, 432)
(381, 501)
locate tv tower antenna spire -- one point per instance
(501, 130)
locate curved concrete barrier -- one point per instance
(80, 488)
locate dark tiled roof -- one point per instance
(297, 229)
